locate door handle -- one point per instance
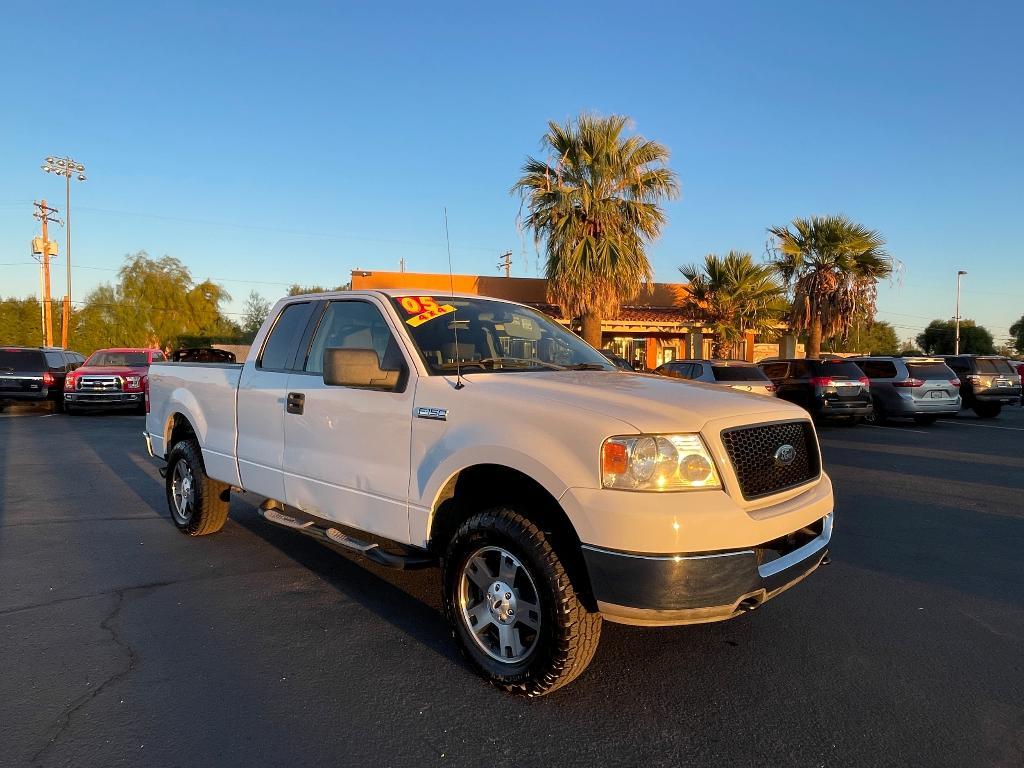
(296, 401)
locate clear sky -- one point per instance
(264, 143)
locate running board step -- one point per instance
(412, 559)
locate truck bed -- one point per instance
(205, 393)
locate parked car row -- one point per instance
(109, 379)
(875, 388)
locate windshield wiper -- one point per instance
(530, 361)
(587, 367)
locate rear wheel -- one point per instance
(925, 419)
(198, 504)
(987, 410)
(512, 607)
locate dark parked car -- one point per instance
(918, 388)
(35, 374)
(829, 388)
(987, 382)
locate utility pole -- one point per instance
(66, 167)
(401, 264)
(506, 263)
(43, 214)
(956, 343)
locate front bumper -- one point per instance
(104, 399)
(661, 590)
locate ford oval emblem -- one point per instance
(784, 455)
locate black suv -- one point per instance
(987, 382)
(35, 373)
(830, 388)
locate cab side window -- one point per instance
(280, 347)
(353, 325)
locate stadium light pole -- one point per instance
(956, 344)
(68, 168)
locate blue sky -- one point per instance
(265, 143)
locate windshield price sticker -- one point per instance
(423, 308)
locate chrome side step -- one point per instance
(409, 558)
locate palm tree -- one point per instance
(595, 204)
(832, 267)
(732, 295)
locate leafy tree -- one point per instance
(877, 338)
(153, 303)
(20, 322)
(1017, 332)
(297, 290)
(595, 204)
(733, 295)
(939, 338)
(832, 266)
(256, 310)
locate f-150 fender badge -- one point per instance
(438, 414)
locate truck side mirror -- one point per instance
(359, 368)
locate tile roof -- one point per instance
(633, 314)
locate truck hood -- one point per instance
(647, 402)
(114, 370)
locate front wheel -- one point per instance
(513, 609)
(198, 503)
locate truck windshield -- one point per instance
(116, 359)
(492, 336)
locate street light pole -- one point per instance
(66, 167)
(956, 344)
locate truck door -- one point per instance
(261, 403)
(346, 455)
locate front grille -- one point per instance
(752, 451)
(99, 384)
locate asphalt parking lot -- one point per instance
(126, 643)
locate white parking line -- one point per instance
(898, 429)
(983, 426)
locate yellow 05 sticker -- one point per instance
(422, 309)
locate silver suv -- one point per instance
(736, 374)
(918, 388)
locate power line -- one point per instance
(284, 230)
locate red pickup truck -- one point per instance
(111, 378)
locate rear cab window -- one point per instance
(930, 371)
(738, 373)
(993, 365)
(839, 369)
(21, 359)
(283, 341)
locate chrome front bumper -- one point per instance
(657, 590)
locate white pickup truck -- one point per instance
(479, 435)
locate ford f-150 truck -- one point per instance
(553, 490)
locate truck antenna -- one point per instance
(455, 322)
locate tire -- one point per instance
(556, 636)
(987, 410)
(198, 505)
(925, 420)
(877, 415)
(71, 410)
(58, 405)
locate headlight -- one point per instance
(132, 382)
(69, 382)
(657, 463)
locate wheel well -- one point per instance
(181, 429)
(485, 486)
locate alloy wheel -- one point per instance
(499, 605)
